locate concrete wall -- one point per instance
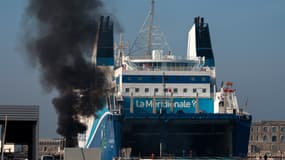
(80, 153)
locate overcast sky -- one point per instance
(247, 39)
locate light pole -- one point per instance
(3, 139)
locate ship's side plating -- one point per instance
(165, 106)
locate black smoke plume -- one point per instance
(59, 39)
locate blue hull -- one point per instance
(202, 134)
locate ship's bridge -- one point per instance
(166, 63)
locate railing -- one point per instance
(171, 68)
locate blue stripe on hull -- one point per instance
(165, 79)
(103, 135)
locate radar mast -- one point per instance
(149, 38)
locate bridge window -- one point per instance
(184, 90)
(137, 90)
(146, 90)
(175, 90)
(193, 78)
(155, 89)
(203, 79)
(127, 90)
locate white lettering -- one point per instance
(148, 103)
(144, 103)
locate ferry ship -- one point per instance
(161, 105)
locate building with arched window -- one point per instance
(267, 137)
(264, 138)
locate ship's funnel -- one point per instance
(199, 42)
(103, 53)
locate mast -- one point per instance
(149, 38)
(151, 14)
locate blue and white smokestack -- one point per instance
(199, 42)
(103, 53)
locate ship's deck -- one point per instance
(190, 116)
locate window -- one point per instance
(274, 148)
(282, 139)
(165, 89)
(251, 138)
(155, 89)
(274, 129)
(127, 90)
(264, 129)
(204, 90)
(264, 138)
(253, 148)
(282, 129)
(256, 138)
(274, 138)
(194, 90)
(193, 78)
(137, 90)
(146, 90)
(175, 90)
(184, 90)
(203, 79)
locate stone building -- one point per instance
(267, 137)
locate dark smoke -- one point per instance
(59, 41)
